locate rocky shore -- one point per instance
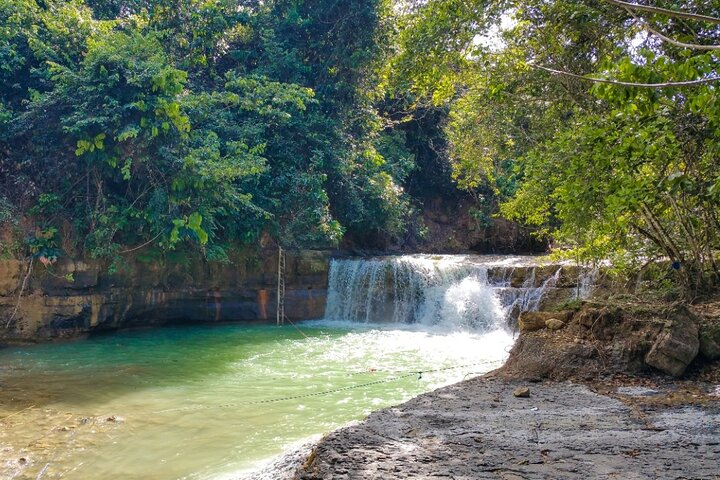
(478, 429)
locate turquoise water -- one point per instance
(198, 402)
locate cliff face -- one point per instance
(452, 227)
(74, 297)
(143, 294)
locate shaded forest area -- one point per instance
(198, 126)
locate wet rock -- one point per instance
(522, 392)
(554, 297)
(554, 324)
(569, 276)
(677, 345)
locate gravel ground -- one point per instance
(477, 429)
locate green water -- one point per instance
(204, 402)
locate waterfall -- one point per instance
(451, 291)
(586, 282)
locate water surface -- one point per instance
(198, 402)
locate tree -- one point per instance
(588, 126)
(195, 125)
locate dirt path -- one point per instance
(478, 429)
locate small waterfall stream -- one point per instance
(451, 291)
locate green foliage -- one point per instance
(7, 211)
(609, 171)
(44, 244)
(156, 124)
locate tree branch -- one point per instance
(22, 289)
(143, 245)
(665, 11)
(693, 46)
(628, 84)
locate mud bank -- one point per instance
(477, 429)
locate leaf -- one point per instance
(129, 132)
(194, 224)
(99, 141)
(125, 170)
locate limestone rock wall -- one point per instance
(607, 339)
(155, 293)
(149, 292)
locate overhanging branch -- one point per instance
(665, 11)
(628, 84)
(693, 46)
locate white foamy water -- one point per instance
(451, 291)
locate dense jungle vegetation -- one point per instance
(202, 124)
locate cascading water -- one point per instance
(453, 292)
(586, 282)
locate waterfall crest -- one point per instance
(452, 291)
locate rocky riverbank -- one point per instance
(478, 429)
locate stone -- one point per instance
(554, 324)
(522, 392)
(554, 298)
(581, 435)
(311, 263)
(533, 321)
(710, 341)
(677, 345)
(518, 276)
(635, 391)
(569, 275)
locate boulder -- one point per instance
(554, 324)
(710, 341)
(532, 321)
(603, 322)
(522, 392)
(677, 345)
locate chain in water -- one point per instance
(400, 376)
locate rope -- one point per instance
(400, 372)
(400, 376)
(296, 328)
(291, 397)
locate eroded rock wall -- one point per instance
(149, 292)
(155, 293)
(608, 339)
